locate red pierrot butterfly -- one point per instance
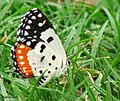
(38, 48)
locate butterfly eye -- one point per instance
(69, 63)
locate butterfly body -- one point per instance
(38, 48)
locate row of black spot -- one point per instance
(48, 71)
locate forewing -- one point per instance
(32, 25)
(36, 26)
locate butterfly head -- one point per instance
(69, 63)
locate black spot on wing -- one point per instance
(49, 64)
(53, 57)
(48, 71)
(50, 39)
(42, 58)
(42, 48)
(40, 71)
(56, 68)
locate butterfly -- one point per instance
(38, 48)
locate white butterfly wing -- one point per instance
(50, 37)
(43, 59)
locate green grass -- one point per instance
(91, 37)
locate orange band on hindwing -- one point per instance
(22, 60)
